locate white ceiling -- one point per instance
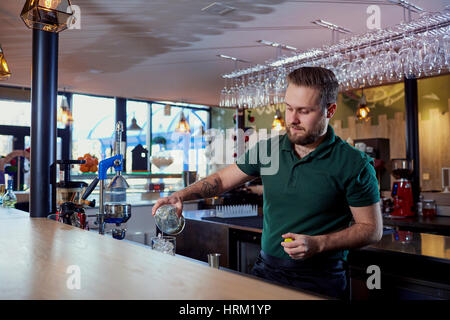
(167, 49)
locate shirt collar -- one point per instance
(321, 151)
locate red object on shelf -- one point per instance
(403, 198)
(402, 194)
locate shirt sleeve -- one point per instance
(363, 188)
(249, 162)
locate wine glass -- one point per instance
(223, 95)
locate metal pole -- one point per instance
(19, 144)
(121, 115)
(101, 209)
(44, 90)
(412, 133)
(149, 138)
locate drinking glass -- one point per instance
(164, 244)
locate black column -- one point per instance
(66, 145)
(19, 144)
(121, 115)
(412, 132)
(44, 90)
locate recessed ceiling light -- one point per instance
(407, 5)
(218, 8)
(95, 71)
(277, 45)
(231, 58)
(331, 26)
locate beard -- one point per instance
(307, 136)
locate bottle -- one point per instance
(9, 199)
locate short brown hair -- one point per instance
(319, 78)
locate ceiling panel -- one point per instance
(167, 49)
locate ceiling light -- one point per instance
(277, 45)
(363, 111)
(331, 26)
(183, 125)
(134, 126)
(232, 58)
(278, 122)
(47, 15)
(5, 73)
(407, 5)
(218, 8)
(64, 114)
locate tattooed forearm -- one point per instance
(209, 187)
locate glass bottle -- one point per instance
(9, 199)
(429, 208)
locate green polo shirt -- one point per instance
(310, 195)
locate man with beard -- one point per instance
(321, 185)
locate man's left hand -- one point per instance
(301, 246)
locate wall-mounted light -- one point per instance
(278, 122)
(64, 114)
(363, 111)
(47, 15)
(183, 125)
(5, 73)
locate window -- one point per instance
(93, 126)
(190, 156)
(19, 113)
(138, 110)
(6, 145)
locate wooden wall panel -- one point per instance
(434, 141)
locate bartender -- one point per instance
(322, 200)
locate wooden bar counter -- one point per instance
(37, 258)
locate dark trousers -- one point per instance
(321, 275)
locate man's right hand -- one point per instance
(225, 179)
(174, 200)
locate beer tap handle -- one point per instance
(90, 188)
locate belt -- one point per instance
(313, 262)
